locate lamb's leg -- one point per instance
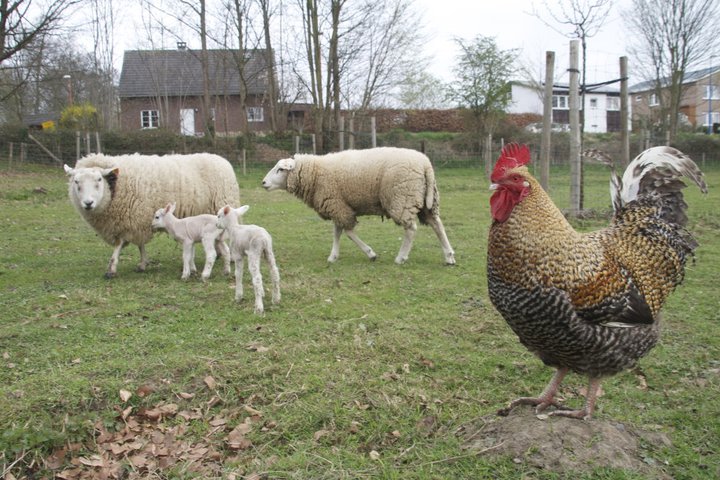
(238, 278)
(222, 248)
(274, 275)
(407, 243)
(193, 267)
(187, 254)
(112, 265)
(363, 246)
(210, 256)
(437, 225)
(256, 275)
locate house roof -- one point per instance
(149, 73)
(564, 88)
(690, 77)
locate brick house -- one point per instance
(164, 88)
(701, 94)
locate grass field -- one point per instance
(365, 370)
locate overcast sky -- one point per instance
(513, 26)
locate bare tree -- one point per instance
(24, 21)
(671, 36)
(267, 13)
(104, 15)
(581, 19)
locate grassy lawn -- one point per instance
(365, 370)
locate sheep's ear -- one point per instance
(68, 170)
(171, 207)
(226, 209)
(242, 210)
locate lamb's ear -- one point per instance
(226, 209)
(170, 208)
(68, 170)
(242, 210)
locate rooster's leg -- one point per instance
(586, 412)
(546, 398)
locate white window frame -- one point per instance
(593, 102)
(560, 102)
(255, 114)
(715, 89)
(715, 118)
(149, 119)
(613, 104)
(653, 100)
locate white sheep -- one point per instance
(253, 242)
(392, 182)
(118, 195)
(191, 230)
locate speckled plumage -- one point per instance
(589, 302)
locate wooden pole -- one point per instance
(297, 143)
(97, 142)
(341, 133)
(314, 144)
(10, 155)
(373, 133)
(546, 140)
(77, 145)
(575, 161)
(44, 149)
(351, 133)
(624, 112)
(244, 162)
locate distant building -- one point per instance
(602, 105)
(164, 88)
(701, 95)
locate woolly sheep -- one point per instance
(118, 195)
(253, 242)
(392, 182)
(191, 230)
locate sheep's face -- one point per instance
(90, 188)
(276, 179)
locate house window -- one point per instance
(593, 103)
(255, 114)
(150, 119)
(653, 102)
(638, 98)
(712, 92)
(560, 102)
(715, 118)
(613, 103)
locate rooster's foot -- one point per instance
(540, 404)
(581, 414)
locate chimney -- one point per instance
(181, 45)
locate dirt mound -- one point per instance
(563, 444)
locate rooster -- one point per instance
(588, 302)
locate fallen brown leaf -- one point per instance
(125, 395)
(210, 382)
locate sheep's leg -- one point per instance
(188, 255)
(437, 225)
(256, 275)
(335, 252)
(363, 246)
(143, 259)
(274, 274)
(238, 278)
(112, 265)
(210, 256)
(407, 243)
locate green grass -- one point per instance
(357, 350)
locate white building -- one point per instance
(602, 105)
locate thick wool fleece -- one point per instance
(198, 183)
(392, 182)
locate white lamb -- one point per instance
(397, 183)
(117, 195)
(191, 230)
(253, 242)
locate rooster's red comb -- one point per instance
(513, 155)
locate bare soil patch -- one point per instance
(564, 444)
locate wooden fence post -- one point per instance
(373, 133)
(351, 133)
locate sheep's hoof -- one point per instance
(332, 259)
(373, 258)
(110, 275)
(400, 261)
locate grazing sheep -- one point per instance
(392, 182)
(253, 242)
(191, 230)
(118, 195)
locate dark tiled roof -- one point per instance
(690, 77)
(149, 73)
